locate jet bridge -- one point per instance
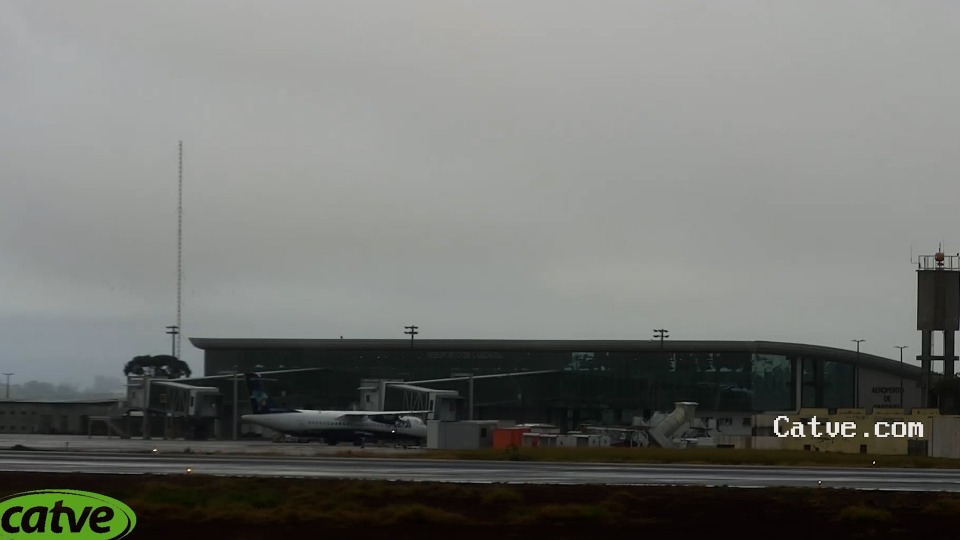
(442, 404)
(178, 399)
(178, 408)
(446, 404)
(469, 412)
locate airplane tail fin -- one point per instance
(258, 394)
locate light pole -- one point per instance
(173, 331)
(858, 341)
(856, 372)
(8, 384)
(469, 377)
(660, 333)
(412, 331)
(236, 401)
(901, 347)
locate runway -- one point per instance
(484, 472)
(79, 443)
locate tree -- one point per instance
(106, 385)
(161, 365)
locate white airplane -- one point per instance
(334, 426)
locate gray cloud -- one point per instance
(535, 169)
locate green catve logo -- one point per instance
(64, 513)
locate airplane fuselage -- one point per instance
(335, 426)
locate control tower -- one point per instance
(938, 310)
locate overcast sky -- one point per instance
(498, 169)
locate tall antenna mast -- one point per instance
(179, 247)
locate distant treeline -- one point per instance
(102, 387)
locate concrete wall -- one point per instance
(539, 440)
(941, 434)
(487, 429)
(582, 440)
(457, 435)
(746, 442)
(726, 423)
(854, 431)
(22, 417)
(945, 439)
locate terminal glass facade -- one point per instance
(594, 385)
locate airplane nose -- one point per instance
(251, 419)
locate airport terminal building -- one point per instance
(569, 382)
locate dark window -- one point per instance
(810, 396)
(839, 385)
(772, 376)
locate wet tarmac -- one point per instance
(480, 472)
(79, 443)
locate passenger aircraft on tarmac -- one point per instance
(334, 426)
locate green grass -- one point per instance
(716, 456)
(170, 494)
(350, 503)
(409, 513)
(363, 502)
(943, 507)
(241, 505)
(860, 514)
(567, 514)
(499, 496)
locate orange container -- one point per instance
(507, 437)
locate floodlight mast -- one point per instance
(174, 331)
(901, 347)
(411, 331)
(660, 333)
